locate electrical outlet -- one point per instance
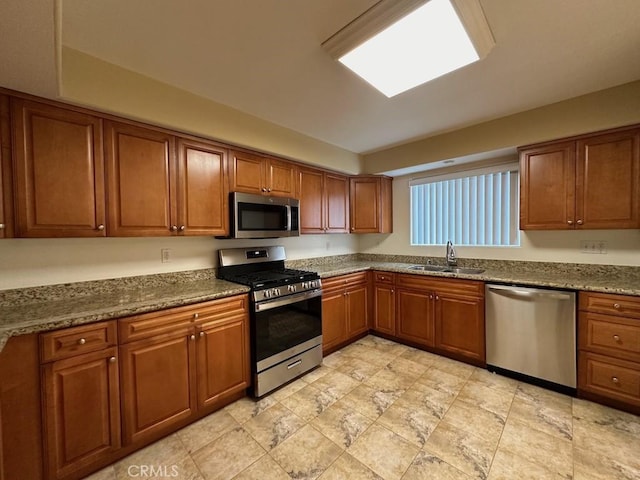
(593, 246)
(165, 255)
(602, 246)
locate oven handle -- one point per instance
(289, 299)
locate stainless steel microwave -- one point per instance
(258, 216)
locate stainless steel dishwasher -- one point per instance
(532, 332)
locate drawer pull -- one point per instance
(82, 341)
(615, 380)
(112, 360)
(616, 338)
(192, 337)
(202, 334)
(616, 306)
(294, 364)
(196, 316)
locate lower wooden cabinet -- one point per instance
(414, 316)
(384, 305)
(345, 309)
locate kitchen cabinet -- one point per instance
(6, 187)
(251, 173)
(324, 201)
(345, 309)
(181, 363)
(59, 171)
(20, 410)
(444, 314)
(81, 398)
(590, 182)
(370, 204)
(384, 310)
(609, 349)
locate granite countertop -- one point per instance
(48, 308)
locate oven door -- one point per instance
(284, 327)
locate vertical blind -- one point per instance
(477, 209)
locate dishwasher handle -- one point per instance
(529, 292)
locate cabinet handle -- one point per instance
(1, 226)
(616, 338)
(100, 227)
(392, 291)
(616, 306)
(579, 222)
(82, 341)
(192, 337)
(437, 297)
(182, 228)
(174, 228)
(112, 360)
(268, 190)
(196, 316)
(263, 189)
(431, 296)
(202, 334)
(615, 380)
(570, 222)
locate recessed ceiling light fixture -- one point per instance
(397, 45)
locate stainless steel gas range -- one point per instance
(286, 314)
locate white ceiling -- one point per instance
(264, 57)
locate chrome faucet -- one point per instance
(452, 261)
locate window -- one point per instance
(480, 208)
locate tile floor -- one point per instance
(380, 410)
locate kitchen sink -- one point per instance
(438, 268)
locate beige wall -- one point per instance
(609, 108)
(552, 246)
(94, 83)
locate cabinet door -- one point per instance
(365, 205)
(202, 189)
(608, 181)
(334, 318)
(459, 324)
(336, 192)
(59, 172)
(357, 310)
(157, 379)
(414, 319)
(6, 189)
(223, 360)
(81, 412)
(281, 178)
(311, 188)
(247, 173)
(547, 187)
(384, 315)
(140, 176)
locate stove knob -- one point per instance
(267, 293)
(313, 283)
(291, 288)
(305, 285)
(276, 292)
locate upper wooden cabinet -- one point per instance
(591, 182)
(6, 198)
(324, 202)
(252, 173)
(154, 191)
(370, 201)
(59, 171)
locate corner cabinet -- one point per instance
(59, 171)
(345, 309)
(251, 173)
(324, 201)
(370, 204)
(590, 182)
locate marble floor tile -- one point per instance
(306, 454)
(427, 399)
(459, 369)
(494, 381)
(589, 465)
(358, 369)
(341, 423)
(398, 453)
(288, 389)
(316, 373)
(247, 408)
(371, 402)
(428, 466)
(383, 345)
(108, 473)
(348, 468)
(273, 426)
(266, 468)
(535, 394)
(336, 359)
(419, 356)
(470, 453)
(495, 400)
(412, 424)
(228, 455)
(474, 419)
(198, 434)
(368, 354)
(163, 453)
(403, 366)
(553, 453)
(443, 381)
(336, 384)
(389, 377)
(309, 402)
(509, 466)
(549, 417)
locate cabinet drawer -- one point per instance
(609, 335)
(384, 277)
(69, 342)
(452, 286)
(609, 377)
(623, 305)
(344, 280)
